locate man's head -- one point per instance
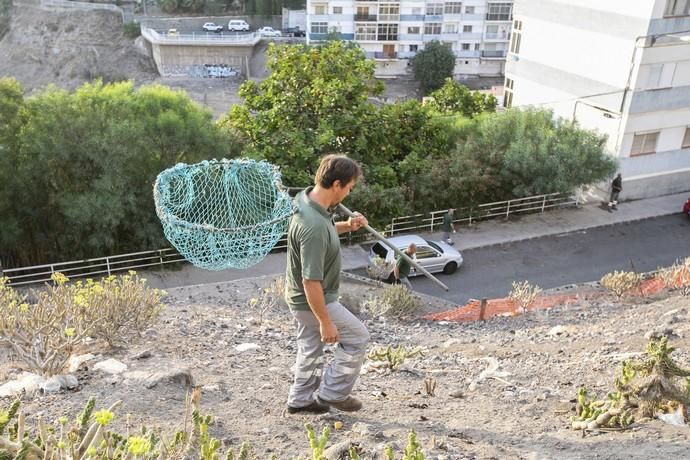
(337, 174)
(411, 249)
(451, 211)
(619, 175)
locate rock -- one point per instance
(362, 429)
(659, 333)
(75, 362)
(459, 394)
(111, 366)
(557, 330)
(337, 451)
(247, 347)
(26, 383)
(143, 355)
(59, 382)
(175, 376)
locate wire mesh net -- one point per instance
(223, 214)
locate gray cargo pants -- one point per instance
(342, 373)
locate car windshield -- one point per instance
(435, 246)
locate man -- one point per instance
(616, 187)
(311, 291)
(447, 226)
(402, 267)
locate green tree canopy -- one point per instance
(433, 65)
(314, 102)
(84, 164)
(456, 98)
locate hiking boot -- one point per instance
(615, 208)
(315, 408)
(349, 404)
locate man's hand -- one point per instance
(329, 333)
(357, 221)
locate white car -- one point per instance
(269, 32)
(434, 256)
(238, 25)
(212, 27)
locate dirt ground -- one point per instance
(524, 415)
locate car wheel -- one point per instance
(450, 268)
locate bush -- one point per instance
(43, 334)
(269, 297)
(677, 277)
(524, 294)
(620, 283)
(395, 300)
(132, 29)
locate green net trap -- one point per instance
(222, 214)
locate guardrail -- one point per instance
(432, 221)
(159, 258)
(216, 37)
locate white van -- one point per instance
(238, 25)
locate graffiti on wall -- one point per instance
(200, 71)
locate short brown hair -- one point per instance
(336, 167)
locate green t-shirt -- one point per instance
(313, 252)
(403, 266)
(447, 221)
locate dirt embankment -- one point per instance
(68, 48)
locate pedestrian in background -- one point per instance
(402, 267)
(448, 226)
(616, 187)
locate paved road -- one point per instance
(564, 259)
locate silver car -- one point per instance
(434, 256)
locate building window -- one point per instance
(516, 38)
(476, 46)
(434, 9)
(413, 30)
(319, 9)
(467, 29)
(450, 28)
(500, 12)
(319, 27)
(414, 48)
(644, 143)
(337, 10)
(387, 32)
(508, 93)
(448, 45)
(416, 11)
(677, 8)
(465, 46)
(469, 10)
(452, 8)
(365, 32)
(432, 28)
(389, 12)
(686, 139)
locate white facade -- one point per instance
(390, 31)
(620, 67)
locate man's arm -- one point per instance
(314, 293)
(352, 224)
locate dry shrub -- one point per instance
(396, 300)
(379, 269)
(43, 334)
(524, 294)
(268, 298)
(677, 276)
(620, 283)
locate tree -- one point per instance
(433, 65)
(84, 164)
(456, 98)
(314, 102)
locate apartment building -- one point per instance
(621, 67)
(392, 31)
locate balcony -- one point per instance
(499, 16)
(467, 54)
(495, 36)
(365, 17)
(385, 55)
(387, 38)
(494, 53)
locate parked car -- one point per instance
(212, 27)
(434, 256)
(172, 33)
(686, 208)
(269, 32)
(238, 25)
(295, 32)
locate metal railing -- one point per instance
(229, 37)
(83, 6)
(499, 16)
(102, 266)
(366, 17)
(432, 221)
(494, 53)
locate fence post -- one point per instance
(482, 309)
(508, 210)
(107, 264)
(160, 257)
(543, 204)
